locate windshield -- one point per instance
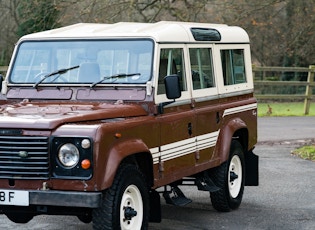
(88, 61)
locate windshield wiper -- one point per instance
(120, 75)
(59, 71)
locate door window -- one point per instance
(171, 62)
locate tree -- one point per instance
(109, 11)
(36, 15)
(23, 17)
(7, 29)
(281, 31)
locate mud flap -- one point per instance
(252, 169)
(155, 207)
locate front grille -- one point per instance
(24, 157)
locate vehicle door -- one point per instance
(177, 123)
(205, 100)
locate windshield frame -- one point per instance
(138, 42)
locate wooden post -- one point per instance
(253, 72)
(308, 91)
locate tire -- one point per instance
(125, 204)
(85, 218)
(230, 177)
(19, 218)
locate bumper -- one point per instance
(65, 198)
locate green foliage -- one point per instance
(305, 152)
(36, 15)
(284, 109)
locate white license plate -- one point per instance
(14, 197)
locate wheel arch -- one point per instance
(130, 152)
(242, 136)
(143, 160)
(237, 129)
(234, 129)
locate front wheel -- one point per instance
(230, 177)
(19, 218)
(125, 204)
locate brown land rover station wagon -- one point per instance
(102, 120)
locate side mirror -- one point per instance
(172, 86)
(172, 90)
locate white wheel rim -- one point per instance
(131, 199)
(235, 170)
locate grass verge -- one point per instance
(290, 109)
(305, 152)
(284, 109)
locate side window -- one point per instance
(201, 68)
(171, 62)
(233, 66)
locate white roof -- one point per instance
(163, 31)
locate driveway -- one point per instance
(281, 129)
(283, 200)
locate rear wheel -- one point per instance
(125, 204)
(230, 178)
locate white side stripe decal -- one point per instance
(207, 140)
(184, 147)
(239, 109)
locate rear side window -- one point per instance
(233, 66)
(201, 68)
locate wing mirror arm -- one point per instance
(172, 89)
(162, 104)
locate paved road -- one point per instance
(276, 129)
(284, 200)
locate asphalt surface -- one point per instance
(286, 129)
(285, 198)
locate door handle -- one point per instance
(217, 118)
(189, 129)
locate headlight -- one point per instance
(69, 155)
(72, 157)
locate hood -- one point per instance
(50, 116)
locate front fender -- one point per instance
(119, 152)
